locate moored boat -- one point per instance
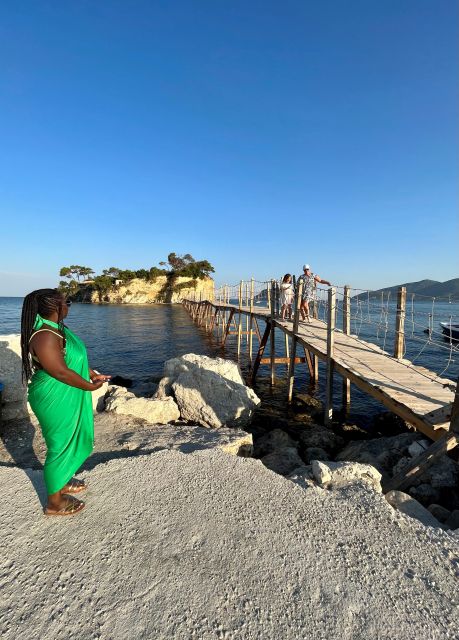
(450, 329)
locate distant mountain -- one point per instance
(430, 288)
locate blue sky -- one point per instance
(257, 135)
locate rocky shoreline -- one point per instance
(203, 402)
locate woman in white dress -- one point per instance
(287, 295)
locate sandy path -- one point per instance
(208, 546)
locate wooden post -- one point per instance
(268, 290)
(252, 283)
(272, 335)
(261, 349)
(239, 326)
(247, 323)
(330, 344)
(228, 325)
(347, 331)
(399, 345)
(296, 322)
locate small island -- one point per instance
(180, 276)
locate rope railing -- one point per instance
(410, 324)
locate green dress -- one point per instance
(65, 413)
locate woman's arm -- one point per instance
(47, 347)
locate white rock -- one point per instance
(153, 411)
(192, 362)
(212, 400)
(411, 507)
(14, 392)
(340, 474)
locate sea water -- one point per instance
(135, 340)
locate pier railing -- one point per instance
(405, 326)
(370, 339)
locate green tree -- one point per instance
(126, 275)
(113, 272)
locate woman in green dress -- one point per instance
(56, 362)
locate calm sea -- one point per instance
(134, 341)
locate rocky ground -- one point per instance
(206, 545)
(180, 539)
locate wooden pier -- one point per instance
(417, 395)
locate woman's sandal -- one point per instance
(72, 506)
(75, 486)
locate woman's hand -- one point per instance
(100, 377)
(96, 376)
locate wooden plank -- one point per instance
(230, 318)
(252, 284)
(239, 324)
(283, 360)
(261, 349)
(308, 360)
(421, 463)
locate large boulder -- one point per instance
(208, 391)
(283, 461)
(212, 400)
(192, 362)
(315, 435)
(272, 441)
(333, 475)
(153, 411)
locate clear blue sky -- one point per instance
(257, 135)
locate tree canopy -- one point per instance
(179, 266)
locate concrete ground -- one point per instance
(210, 546)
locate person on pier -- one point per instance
(309, 280)
(287, 295)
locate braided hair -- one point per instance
(44, 302)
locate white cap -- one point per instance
(306, 266)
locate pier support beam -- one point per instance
(296, 322)
(272, 343)
(347, 331)
(328, 415)
(399, 345)
(261, 350)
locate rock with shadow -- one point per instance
(208, 391)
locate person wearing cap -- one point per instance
(309, 281)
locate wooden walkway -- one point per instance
(411, 392)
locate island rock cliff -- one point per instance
(139, 291)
